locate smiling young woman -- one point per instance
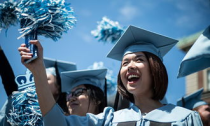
(158, 73)
(85, 99)
(85, 91)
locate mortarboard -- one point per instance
(192, 101)
(60, 65)
(198, 57)
(71, 79)
(55, 67)
(136, 40)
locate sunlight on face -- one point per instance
(135, 73)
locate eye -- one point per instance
(125, 63)
(208, 109)
(139, 60)
(78, 93)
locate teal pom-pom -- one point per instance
(8, 14)
(108, 31)
(25, 109)
(48, 18)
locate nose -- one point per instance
(131, 66)
(72, 98)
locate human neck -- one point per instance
(147, 104)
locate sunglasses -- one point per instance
(75, 93)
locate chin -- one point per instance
(74, 113)
(131, 90)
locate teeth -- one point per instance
(133, 76)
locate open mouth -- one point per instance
(73, 104)
(133, 78)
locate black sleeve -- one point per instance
(7, 75)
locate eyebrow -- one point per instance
(137, 56)
(140, 55)
(83, 88)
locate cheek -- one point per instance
(54, 88)
(146, 73)
(68, 104)
(49, 82)
(122, 73)
(123, 70)
(204, 112)
(84, 100)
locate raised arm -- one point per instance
(45, 97)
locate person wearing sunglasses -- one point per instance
(142, 79)
(85, 91)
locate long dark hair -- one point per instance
(97, 96)
(62, 96)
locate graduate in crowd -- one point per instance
(86, 91)
(196, 59)
(142, 79)
(194, 102)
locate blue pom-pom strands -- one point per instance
(8, 14)
(25, 110)
(108, 31)
(25, 107)
(63, 19)
(49, 18)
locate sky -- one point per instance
(172, 18)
